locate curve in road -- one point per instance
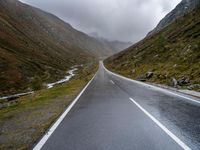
(114, 113)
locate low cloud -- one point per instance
(124, 20)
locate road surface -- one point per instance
(117, 114)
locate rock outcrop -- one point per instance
(181, 9)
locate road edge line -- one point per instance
(167, 131)
(151, 86)
(47, 135)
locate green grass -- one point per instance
(25, 122)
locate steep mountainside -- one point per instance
(36, 46)
(182, 8)
(170, 57)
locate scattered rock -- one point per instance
(194, 87)
(149, 74)
(156, 55)
(133, 71)
(142, 78)
(161, 76)
(183, 81)
(175, 65)
(174, 82)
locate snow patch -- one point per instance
(67, 78)
(16, 95)
(50, 85)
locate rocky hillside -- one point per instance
(182, 8)
(37, 47)
(171, 56)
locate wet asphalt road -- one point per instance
(104, 118)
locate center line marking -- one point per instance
(174, 137)
(152, 87)
(112, 82)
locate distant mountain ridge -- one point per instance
(36, 46)
(116, 45)
(182, 8)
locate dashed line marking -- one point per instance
(112, 82)
(174, 137)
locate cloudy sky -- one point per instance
(124, 20)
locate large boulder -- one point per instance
(149, 75)
(183, 81)
(194, 87)
(174, 82)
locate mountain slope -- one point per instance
(182, 8)
(37, 47)
(167, 56)
(119, 46)
(116, 46)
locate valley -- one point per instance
(64, 88)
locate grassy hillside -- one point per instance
(38, 47)
(174, 52)
(21, 131)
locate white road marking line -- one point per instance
(112, 82)
(55, 125)
(174, 137)
(151, 86)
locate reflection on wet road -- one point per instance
(115, 113)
